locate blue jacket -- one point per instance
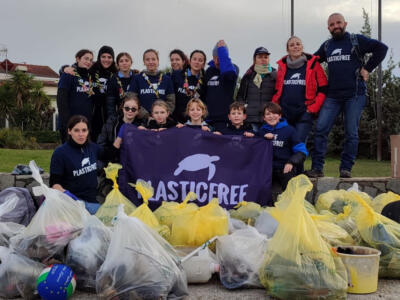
(286, 147)
(77, 167)
(220, 86)
(344, 65)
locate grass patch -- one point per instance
(362, 168)
(9, 158)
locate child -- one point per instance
(288, 152)
(160, 117)
(237, 125)
(160, 121)
(196, 110)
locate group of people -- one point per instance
(280, 105)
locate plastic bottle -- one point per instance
(199, 268)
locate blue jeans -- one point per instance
(92, 207)
(303, 126)
(352, 109)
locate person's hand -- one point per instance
(248, 134)
(217, 133)
(221, 43)
(269, 136)
(161, 129)
(141, 127)
(180, 125)
(69, 70)
(288, 167)
(117, 143)
(205, 128)
(364, 74)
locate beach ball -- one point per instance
(56, 282)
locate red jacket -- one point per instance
(316, 83)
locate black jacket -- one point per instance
(232, 130)
(255, 97)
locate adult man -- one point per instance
(347, 74)
(220, 82)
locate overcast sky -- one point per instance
(50, 32)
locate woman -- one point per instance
(257, 87)
(151, 84)
(129, 110)
(73, 167)
(301, 85)
(102, 71)
(188, 84)
(179, 60)
(119, 83)
(75, 91)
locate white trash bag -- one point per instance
(139, 264)
(266, 224)
(8, 230)
(87, 252)
(240, 256)
(58, 221)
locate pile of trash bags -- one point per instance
(130, 252)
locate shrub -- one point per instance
(44, 136)
(14, 139)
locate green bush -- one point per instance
(45, 136)
(14, 139)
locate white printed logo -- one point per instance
(214, 78)
(198, 162)
(85, 161)
(295, 76)
(337, 51)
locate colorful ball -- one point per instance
(56, 282)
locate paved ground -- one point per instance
(387, 290)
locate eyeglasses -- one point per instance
(132, 109)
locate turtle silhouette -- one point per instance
(197, 162)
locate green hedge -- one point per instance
(47, 136)
(14, 139)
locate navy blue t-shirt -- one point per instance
(79, 102)
(78, 168)
(146, 93)
(293, 93)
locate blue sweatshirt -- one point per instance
(284, 143)
(79, 102)
(293, 99)
(220, 86)
(344, 66)
(146, 93)
(78, 168)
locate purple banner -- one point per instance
(179, 160)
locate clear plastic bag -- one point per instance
(299, 264)
(140, 264)
(18, 275)
(266, 224)
(240, 255)
(108, 210)
(16, 205)
(58, 221)
(87, 252)
(8, 230)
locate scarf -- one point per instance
(297, 63)
(260, 70)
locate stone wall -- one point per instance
(371, 185)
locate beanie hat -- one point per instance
(105, 49)
(215, 50)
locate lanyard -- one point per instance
(192, 93)
(151, 85)
(81, 82)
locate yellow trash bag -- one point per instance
(310, 208)
(195, 229)
(144, 213)
(298, 263)
(331, 232)
(380, 233)
(380, 201)
(336, 200)
(168, 211)
(246, 212)
(108, 210)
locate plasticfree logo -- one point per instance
(295, 76)
(337, 51)
(198, 162)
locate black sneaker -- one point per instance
(345, 174)
(313, 173)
